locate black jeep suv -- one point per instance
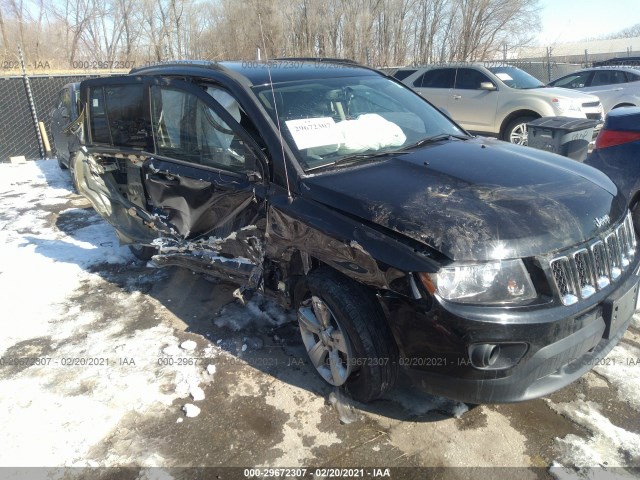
(490, 272)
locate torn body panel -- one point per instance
(100, 179)
(219, 218)
(195, 218)
(313, 230)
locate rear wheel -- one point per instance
(60, 164)
(516, 131)
(72, 170)
(346, 335)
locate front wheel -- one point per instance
(346, 335)
(516, 131)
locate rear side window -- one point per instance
(402, 74)
(118, 117)
(608, 77)
(440, 78)
(633, 77)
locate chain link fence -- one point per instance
(18, 126)
(19, 130)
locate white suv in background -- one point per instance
(498, 101)
(614, 86)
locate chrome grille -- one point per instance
(581, 273)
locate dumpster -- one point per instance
(562, 135)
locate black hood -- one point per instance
(476, 199)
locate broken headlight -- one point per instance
(495, 282)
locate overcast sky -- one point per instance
(571, 20)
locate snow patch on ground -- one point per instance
(607, 446)
(622, 372)
(94, 366)
(259, 311)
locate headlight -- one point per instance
(563, 105)
(501, 281)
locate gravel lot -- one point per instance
(108, 362)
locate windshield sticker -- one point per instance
(313, 132)
(505, 77)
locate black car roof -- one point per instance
(257, 72)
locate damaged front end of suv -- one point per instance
(487, 271)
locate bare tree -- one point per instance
(378, 32)
(3, 30)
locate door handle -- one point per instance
(457, 97)
(164, 179)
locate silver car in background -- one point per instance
(498, 101)
(614, 86)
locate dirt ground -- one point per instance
(71, 292)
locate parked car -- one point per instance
(614, 86)
(617, 151)
(498, 101)
(402, 73)
(65, 129)
(488, 271)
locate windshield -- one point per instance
(324, 121)
(515, 78)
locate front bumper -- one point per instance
(563, 343)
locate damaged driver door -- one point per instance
(205, 183)
(167, 163)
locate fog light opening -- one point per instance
(485, 355)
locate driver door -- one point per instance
(196, 181)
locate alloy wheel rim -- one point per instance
(519, 135)
(326, 343)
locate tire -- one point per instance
(143, 252)
(635, 217)
(72, 171)
(60, 164)
(367, 354)
(516, 131)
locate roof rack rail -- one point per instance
(618, 61)
(319, 59)
(169, 63)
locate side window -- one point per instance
(608, 77)
(66, 99)
(470, 79)
(98, 117)
(58, 103)
(577, 80)
(185, 128)
(66, 103)
(439, 78)
(633, 77)
(118, 116)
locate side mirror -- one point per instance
(254, 177)
(490, 87)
